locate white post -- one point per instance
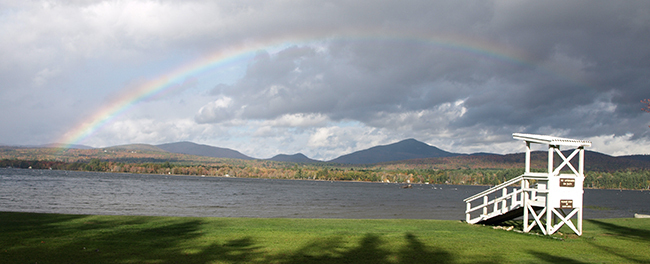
(549, 206)
(579, 220)
(467, 214)
(527, 157)
(523, 189)
(549, 217)
(550, 160)
(533, 192)
(581, 162)
(581, 169)
(525, 204)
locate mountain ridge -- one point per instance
(186, 147)
(135, 147)
(298, 158)
(405, 151)
(594, 161)
(402, 150)
(50, 145)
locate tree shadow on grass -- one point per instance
(371, 249)
(548, 258)
(242, 250)
(28, 222)
(92, 239)
(333, 250)
(629, 258)
(51, 238)
(417, 252)
(623, 231)
(22, 232)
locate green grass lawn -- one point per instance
(55, 238)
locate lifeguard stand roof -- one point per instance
(550, 140)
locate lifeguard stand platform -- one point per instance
(548, 200)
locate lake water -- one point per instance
(71, 192)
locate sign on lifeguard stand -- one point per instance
(559, 195)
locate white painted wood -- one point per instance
(504, 202)
(550, 160)
(552, 191)
(527, 170)
(581, 161)
(485, 204)
(551, 140)
(566, 162)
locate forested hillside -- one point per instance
(602, 171)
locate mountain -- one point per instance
(637, 157)
(57, 145)
(202, 150)
(299, 157)
(136, 147)
(51, 145)
(594, 161)
(403, 150)
(602, 162)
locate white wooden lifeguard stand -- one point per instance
(553, 201)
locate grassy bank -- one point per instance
(54, 238)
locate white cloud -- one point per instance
(333, 141)
(216, 111)
(619, 145)
(299, 120)
(148, 131)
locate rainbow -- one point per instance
(159, 85)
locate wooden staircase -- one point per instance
(505, 201)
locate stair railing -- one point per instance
(499, 200)
(498, 203)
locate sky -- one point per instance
(325, 78)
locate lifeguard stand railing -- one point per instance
(553, 199)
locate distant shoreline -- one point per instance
(304, 179)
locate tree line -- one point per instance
(624, 179)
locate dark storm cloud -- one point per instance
(588, 68)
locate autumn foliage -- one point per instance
(602, 171)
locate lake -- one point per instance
(72, 192)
